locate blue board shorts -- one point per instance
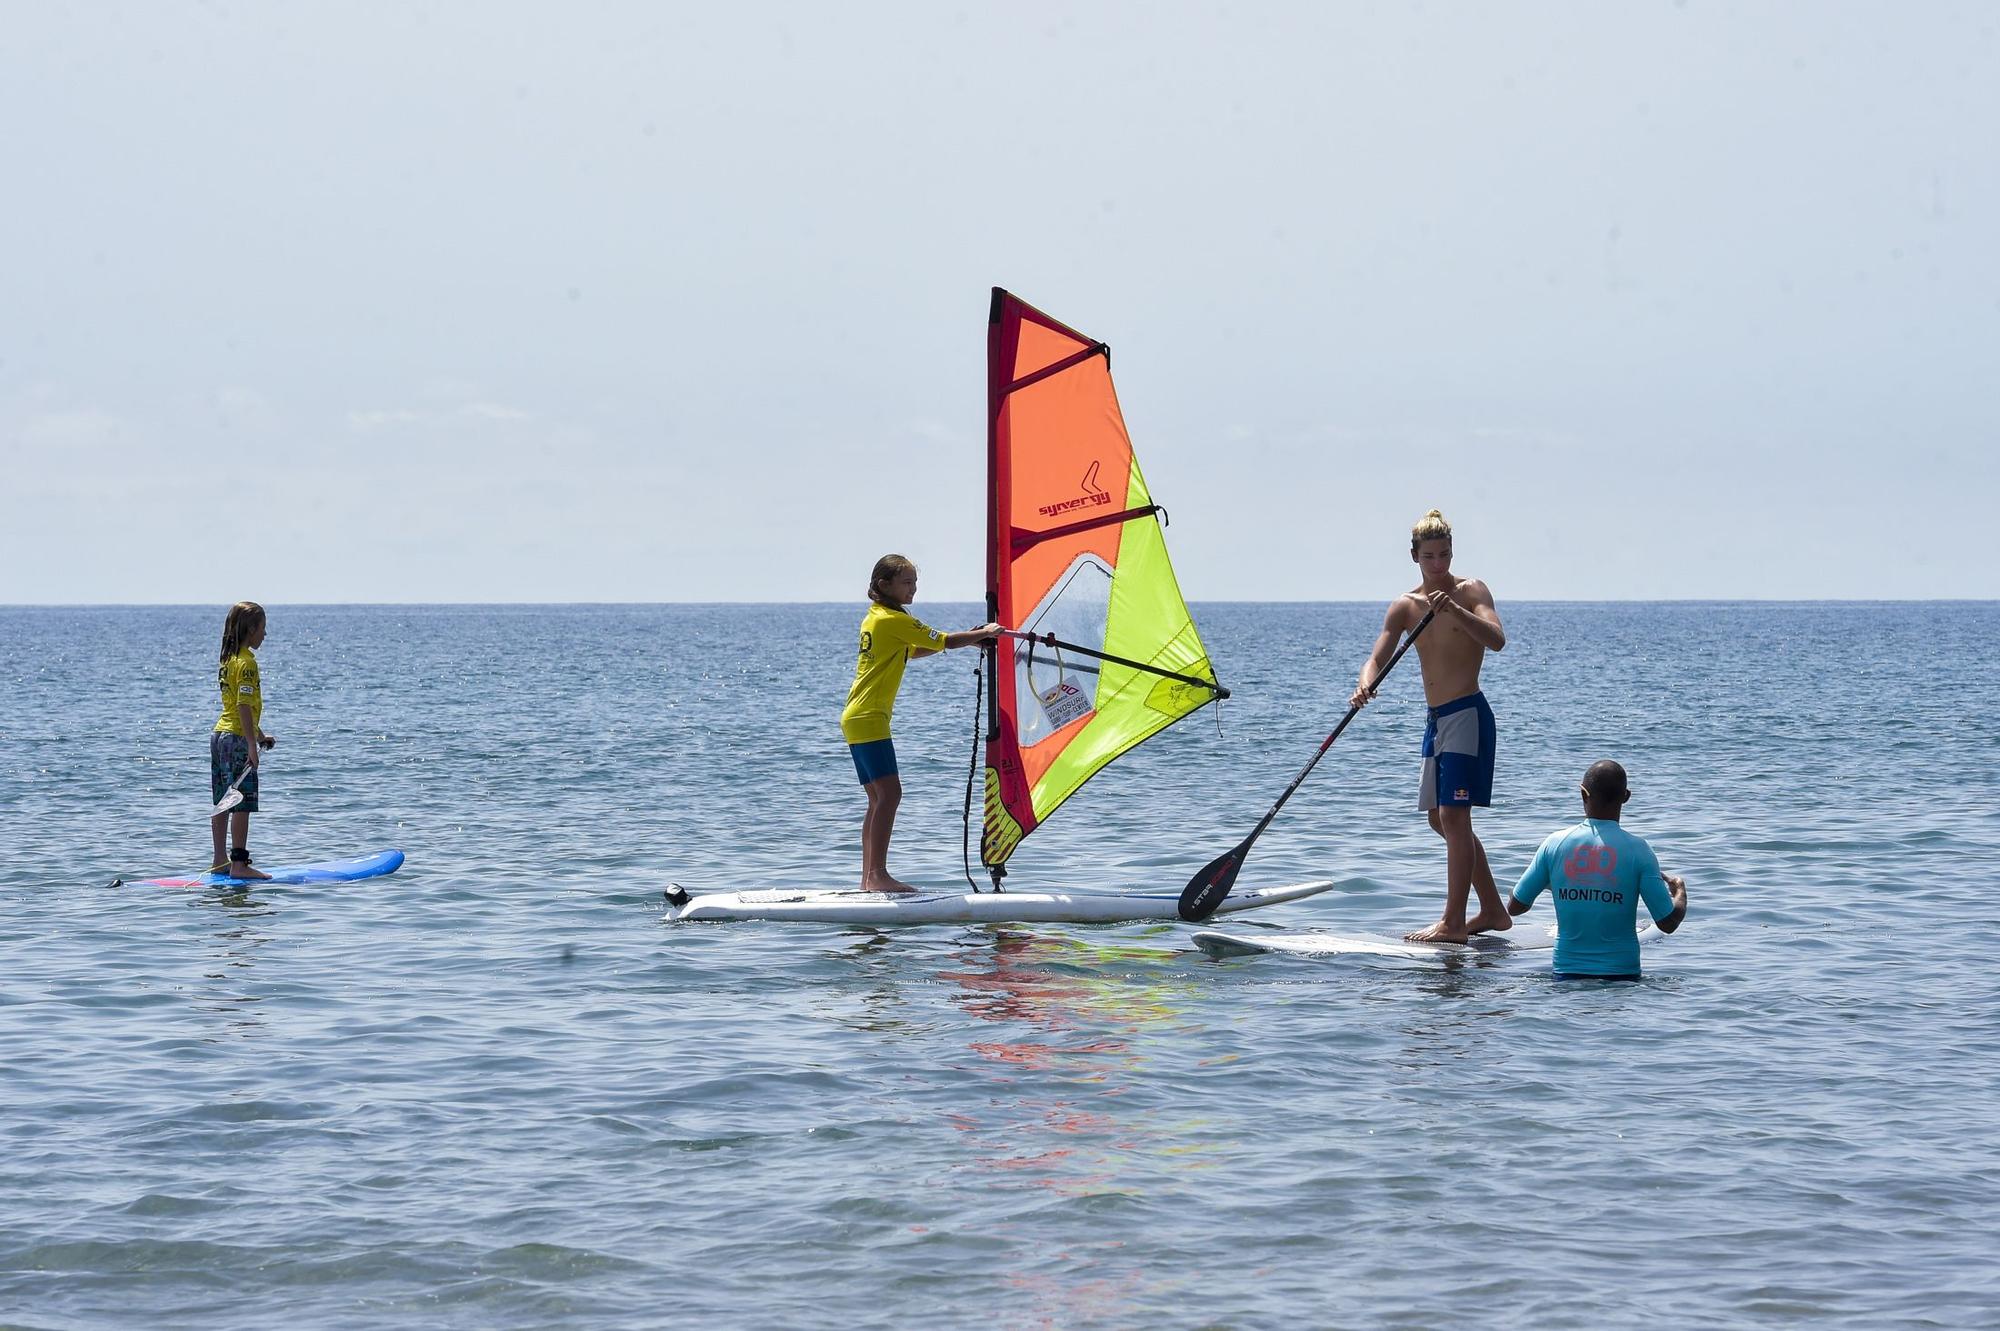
(1458, 755)
(227, 756)
(874, 760)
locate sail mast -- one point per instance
(990, 653)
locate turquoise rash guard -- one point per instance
(1598, 872)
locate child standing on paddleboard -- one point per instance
(233, 746)
(890, 636)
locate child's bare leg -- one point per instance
(868, 837)
(239, 835)
(884, 795)
(218, 827)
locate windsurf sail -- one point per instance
(1103, 653)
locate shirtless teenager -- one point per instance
(1458, 738)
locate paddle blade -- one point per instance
(1206, 889)
(229, 801)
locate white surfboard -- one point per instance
(883, 908)
(1325, 943)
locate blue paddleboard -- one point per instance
(326, 871)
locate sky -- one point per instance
(487, 302)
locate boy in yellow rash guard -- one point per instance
(234, 743)
(890, 636)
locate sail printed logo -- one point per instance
(1092, 495)
(1066, 702)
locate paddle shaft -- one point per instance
(1327, 743)
(1205, 892)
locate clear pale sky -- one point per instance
(647, 302)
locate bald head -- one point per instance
(1605, 781)
(1604, 790)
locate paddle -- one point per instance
(234, 795)
(1206, 889)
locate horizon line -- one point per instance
(974, 601)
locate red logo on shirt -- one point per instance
(1591, 864)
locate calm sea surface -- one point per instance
(497, 1090)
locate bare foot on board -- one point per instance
(1483, 923)
(247, 872)
(1437, 933)
(885, 884)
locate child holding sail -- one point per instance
(890, 637)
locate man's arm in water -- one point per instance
(1677, 888)
(1536, 877)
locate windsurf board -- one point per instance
(884, 908)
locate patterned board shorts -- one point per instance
(227, 756)
(1458, 755)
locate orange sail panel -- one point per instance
(1075, 553)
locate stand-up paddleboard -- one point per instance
(885, 908)
(326, 871)
(1324, 943)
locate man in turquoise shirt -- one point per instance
(1599, 872)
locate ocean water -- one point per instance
(498, 1090)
